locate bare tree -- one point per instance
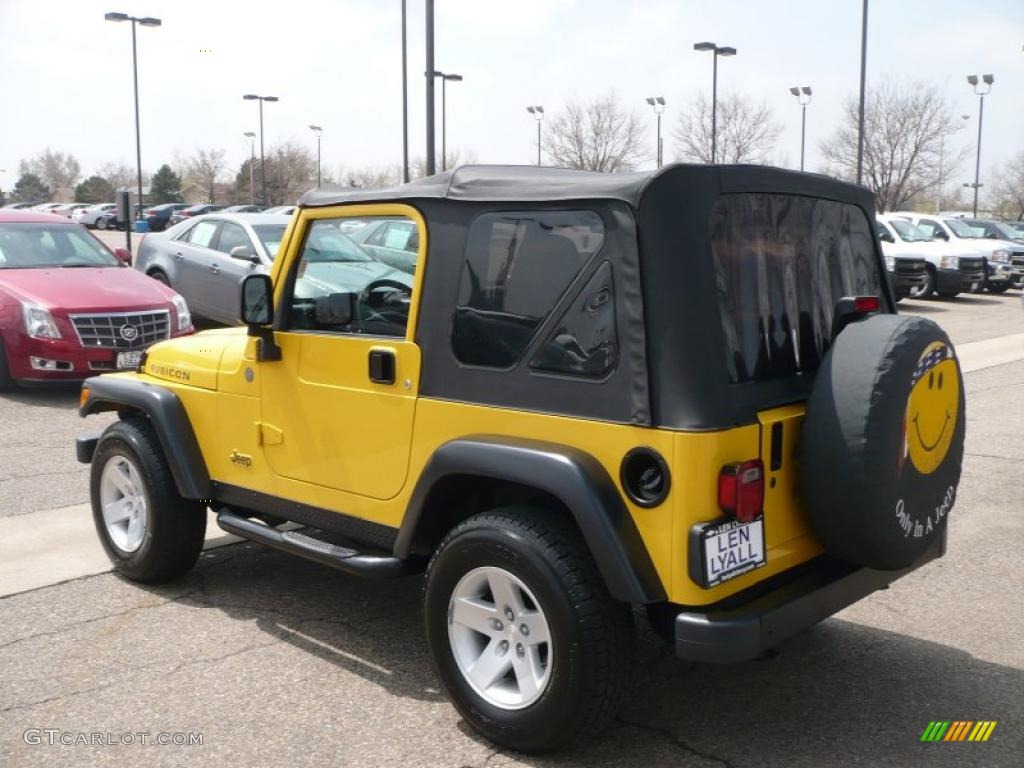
(291, 170)
(203, 168)
(597, 136)
(118, 174)
(1007, 196)
(56, 169)
(746, 130)
(905, 127)
(370, 176)
(454, 158)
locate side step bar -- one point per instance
(295, 543)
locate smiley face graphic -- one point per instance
(932, 408)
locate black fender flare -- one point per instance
(165, 412)
(574, 477)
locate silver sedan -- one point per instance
(204, 258)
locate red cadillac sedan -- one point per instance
(69, 307)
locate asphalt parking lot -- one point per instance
(275, 660)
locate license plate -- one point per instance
(730, 549)
(128, 360)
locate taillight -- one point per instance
(866, 304)
(741, 490)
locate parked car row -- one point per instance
(958, 255)
(70, 307)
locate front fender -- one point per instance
(165, 412)
(574, 477)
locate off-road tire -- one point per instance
(592, 635)
(176, 526)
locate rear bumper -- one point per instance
(726, 635)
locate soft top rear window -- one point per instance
(781, 264)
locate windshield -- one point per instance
(270, 235)
(996, 229)
(907, 231)
(35, 246)
(962, 229)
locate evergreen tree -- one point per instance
(95, 189)
(165, 186)
(30, 189)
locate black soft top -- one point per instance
(672, 369)
(530, 183)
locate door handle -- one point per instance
(178, 256)
(382, 366)
(215, 269)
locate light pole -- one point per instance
(405, 104)
(942, 160)
(146, 21)
(317, 130)
(803, 97)
(658, 102)
(538, 115)
(252, 163)
(429, 73)
(718, 51)
(981, 91)
(263, 165)
(445, 77)
(863, 91)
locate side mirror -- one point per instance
(335, 309)
(941, 235)
(258, 313)
(257, 300)
(244, 252)
(887, 238)
(992, 236)
(124, 256)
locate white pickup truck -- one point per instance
(997, 272)
(950, 267)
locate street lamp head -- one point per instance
(704, 46)
(989, 79)
(316, 128)
(965, 117)
(115, 16)
(250, 134)
(454, 78)
(725, 51)
(650, 100)
(972, 79)
(270, 98)
(795, 91)
(660, 100)
(250, 96)
(149, 21)
(806, 89)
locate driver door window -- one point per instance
(340, 286)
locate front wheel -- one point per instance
(533, 651)
(149, 532)
(926, 288)
(998, 287)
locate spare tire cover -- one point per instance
(883, 441)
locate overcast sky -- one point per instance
(66, 78)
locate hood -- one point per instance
(193, 360)
(86, 289)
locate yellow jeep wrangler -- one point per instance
(562, 395)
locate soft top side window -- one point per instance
(518, 265)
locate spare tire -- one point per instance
(883, 441)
